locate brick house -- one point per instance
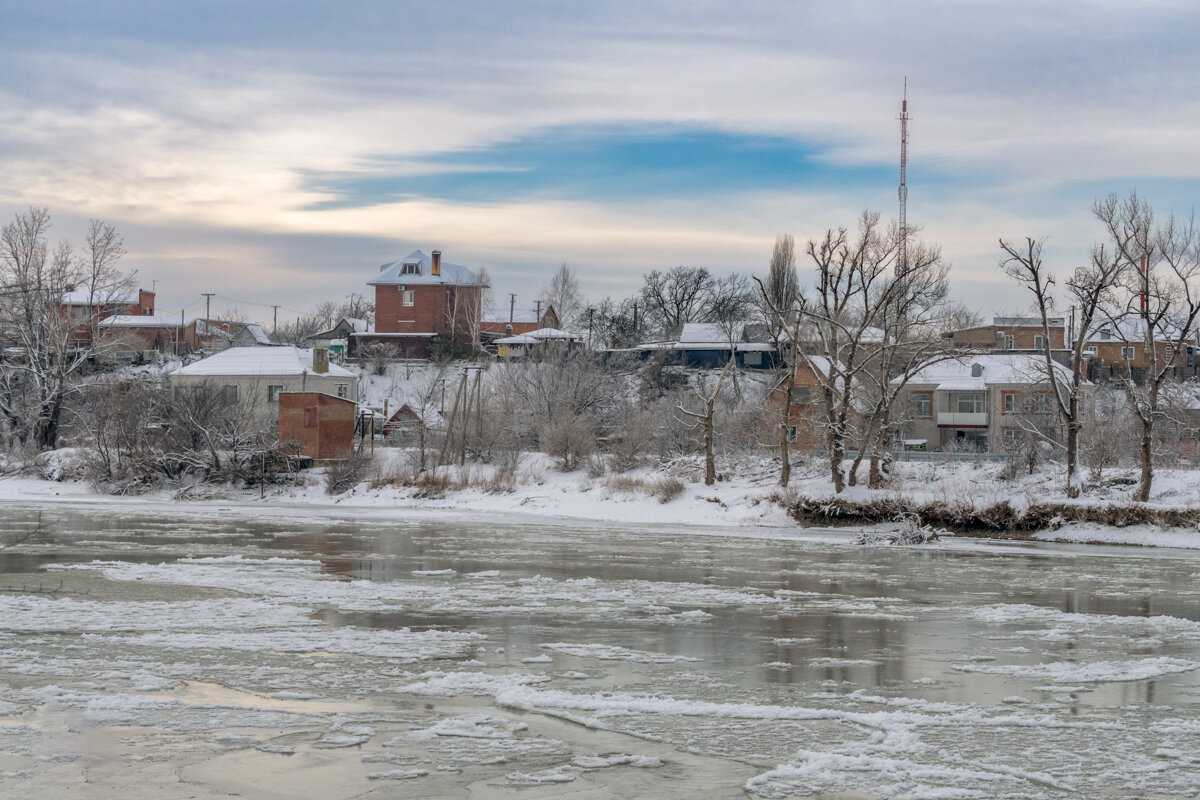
(89, 308)
(806, 416)
(1012, 333)
(421, 301)
(518, 319)
(1114, 348)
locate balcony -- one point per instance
(956, 419)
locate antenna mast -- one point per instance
(902, 245)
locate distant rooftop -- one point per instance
(416, 269)
(264, 361)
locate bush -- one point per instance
(666, 488)
(569, 438)
(345, 474)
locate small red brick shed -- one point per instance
(322, 424)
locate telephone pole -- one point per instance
(274, 321)
(512, 304)
(208, 296)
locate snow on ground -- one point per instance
(746, 496)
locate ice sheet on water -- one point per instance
(402, 645)
(1094, 672)
(616, 760)
(560, 774)
(607, 652)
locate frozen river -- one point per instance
(212, 655)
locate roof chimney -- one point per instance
(976, 370)
(320, 360)
(437, 263)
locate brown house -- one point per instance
(517, 319)
(805, 423)
(89, 308)
(1123, 345)
(1013, 333)
(421, 298)
(321, 424)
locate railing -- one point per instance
(962, 418)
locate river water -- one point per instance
(186, 653)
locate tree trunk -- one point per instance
(1143, 490)
(785, 446)
(710, 466)
(46, 431)
(837, 451)
(875, 478)
(1073, 479)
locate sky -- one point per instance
(277, 153)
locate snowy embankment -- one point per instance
(674, 494)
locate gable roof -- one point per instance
(252, 361)
(453, 274)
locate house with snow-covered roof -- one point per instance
(89, 307)
(518, 318)
(421, 302)
(255, 376)
(986, 402)
(337, 338)
(706, 345)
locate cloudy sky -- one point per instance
(278, 152)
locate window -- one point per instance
(343, 389)
(1040, 403)
(1009, 341)
(752, 358)
(149, 312)
(968, 403)
(1012, 437)
(407, 297)
(273, 393)
(1127, 353)
(792, 433)
(922, 404)
(410, 269)
(229, 393)
(1093, 350)
(800, 395)
(1039, 342)
(1105, 335)
(1011, 401)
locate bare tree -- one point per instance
(1162, 301)
(1090, 290)
(55, 340)
(675, 297)
(563, 293)
(836, 337)
(708, 404)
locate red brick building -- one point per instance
(1013, 333)
(88, 308)
(321, 424)
(421, 298)
(513, 319)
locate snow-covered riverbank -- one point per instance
(748, 498)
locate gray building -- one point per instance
(983, 402)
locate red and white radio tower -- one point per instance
(902, 245)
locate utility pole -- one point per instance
(512, 304)
(274, 321)
(208, 296)
(538, 321)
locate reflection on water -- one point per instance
(696, 618)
